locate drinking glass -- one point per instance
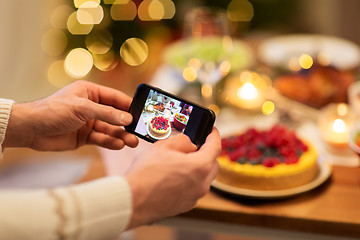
(207, 32)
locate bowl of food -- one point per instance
(180, 121)
(354, 138)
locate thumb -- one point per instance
(91, 110)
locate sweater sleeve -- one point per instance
(5, 110)
(96, 210)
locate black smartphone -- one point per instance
(159, 115)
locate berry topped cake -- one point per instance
(273, 159)
(159, 126)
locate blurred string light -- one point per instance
(155, 10)
(123, 10)
(54, 42)
(306, 61)
(90, 13)
(78, 3)
(75, 27)
(106, 61)
(99, 41)
(57, 75)
(60, 15)
(240, 11)
(134, 51)
(78, 62)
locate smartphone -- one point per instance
(159, 115)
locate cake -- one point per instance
(159, 126)
(274, 159)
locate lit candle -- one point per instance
(249, 96)
(334, 124)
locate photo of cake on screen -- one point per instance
(163, 117)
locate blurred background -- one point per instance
(48, 44)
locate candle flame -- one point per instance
(339, 126)
(248, 91)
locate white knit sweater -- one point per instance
(95, 210)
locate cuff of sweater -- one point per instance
(103, 208)
(5, 110)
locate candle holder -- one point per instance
(247, 90)
(334, 123)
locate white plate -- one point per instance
(324, 174)
(157, 138)
(277, 51)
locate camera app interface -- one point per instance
(163, 117)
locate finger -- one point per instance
(106, 141)
(87, 110)
(110, 96)
(212, 145)
(117, 132)
(211, 176)
(181, 143)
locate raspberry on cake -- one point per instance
(267, 160)
(159, 126)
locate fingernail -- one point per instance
(126, 118)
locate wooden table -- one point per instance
(333, 208)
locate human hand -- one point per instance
(171, 178)
(81, 113)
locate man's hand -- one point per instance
(81, 113)
(171, 177)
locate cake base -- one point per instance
(259, 177)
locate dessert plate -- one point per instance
(157, 138)
(324, 173)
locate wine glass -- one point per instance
(207, 32)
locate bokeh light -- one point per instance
(294, 64)
(151, 10)
(57, 75)
(123, 10)
(105, 62)
(60, 15)
(224, 67)
(156, 10)
(90, 13)
(268, 107)
(169, 9)
(78, 3)
(54, 42)
(189, 74)
(195, 63)
(99, 41)
(342, 109)
(240, 11)
(206, 90)
(134, 51)
(306, 61)
(78, 62)
(75, 27)
(324, 59)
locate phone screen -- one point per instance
(159, 115)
